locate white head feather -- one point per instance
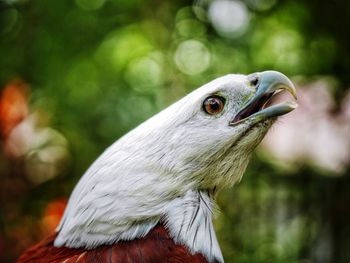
(167, 169)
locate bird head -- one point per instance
(207, 137)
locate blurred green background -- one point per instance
(77, 75)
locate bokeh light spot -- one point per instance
(200, 13)
(192, 57)
(282, 50)
(121, 47)
(144, 74)
(229, 18)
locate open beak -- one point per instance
(267, 84)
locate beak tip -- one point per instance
(276, 79)
(294, 92)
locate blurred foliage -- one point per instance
(85, 72)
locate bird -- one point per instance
(150, 196)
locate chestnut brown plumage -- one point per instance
(156, 246)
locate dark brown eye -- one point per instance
(213, 105)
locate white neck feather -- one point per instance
(189, 221)
(188, 218)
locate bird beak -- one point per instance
(267, 84)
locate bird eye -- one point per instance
(213, 105)
(253, 79)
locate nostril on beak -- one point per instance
(254, 79)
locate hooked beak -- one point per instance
(267, 84)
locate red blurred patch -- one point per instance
(52, 215)
(13, 106)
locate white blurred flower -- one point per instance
(313, 133)
(44, 150)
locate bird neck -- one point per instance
(189, 221)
